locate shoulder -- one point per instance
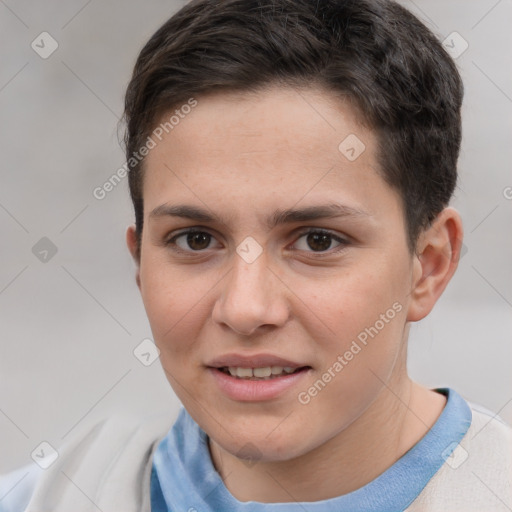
(488, 445)
(477, 475)
(17, 486)
(491, 423)
(107, 462)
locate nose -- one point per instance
(252, 297)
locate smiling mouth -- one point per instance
(264, 373)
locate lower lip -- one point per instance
(245, 390)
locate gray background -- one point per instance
(69, 325)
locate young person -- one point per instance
(291, 165)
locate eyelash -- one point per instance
(171, 242)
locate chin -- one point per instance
(263, 443)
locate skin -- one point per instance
(242, 157)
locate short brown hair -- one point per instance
(374, 52)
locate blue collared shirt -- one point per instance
(184, 478)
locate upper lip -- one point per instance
(252, 361)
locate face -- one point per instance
(265, 246)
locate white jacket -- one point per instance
(107, 468)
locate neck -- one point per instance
(399, 417)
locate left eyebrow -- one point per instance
(288, 216)
(327, 211)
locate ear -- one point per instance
(132, 244)
(436, 259)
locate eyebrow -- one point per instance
(325, 211)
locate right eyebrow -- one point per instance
(184, 211)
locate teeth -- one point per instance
(265, 372)
(244, 372)
(262, 372)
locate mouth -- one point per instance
(257, 377)
(261, 373)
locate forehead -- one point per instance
(272, 145)
(273, 121)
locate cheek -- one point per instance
(359, 342)
(344, 306)
(173, 301)
(357, 322)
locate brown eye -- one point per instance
(192, 241)
(319, 241)
(198, 240)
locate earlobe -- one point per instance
(435, 262)
(133, 247)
